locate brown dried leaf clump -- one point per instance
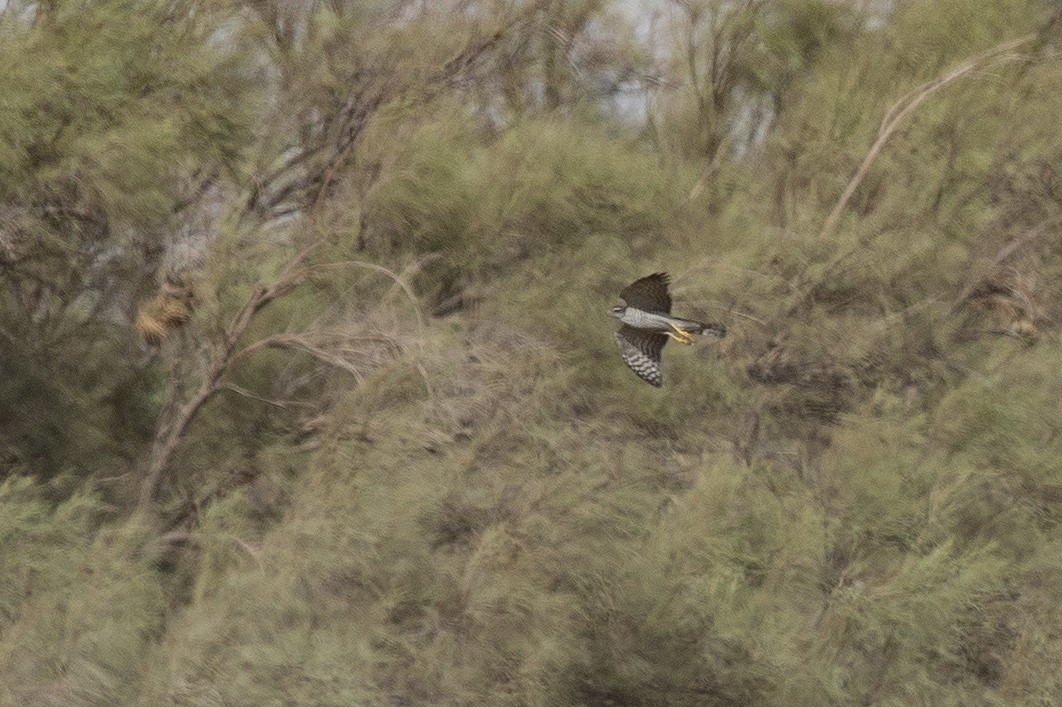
(165, 312)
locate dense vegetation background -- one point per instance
(308, 392)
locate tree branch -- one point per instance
(903, 108)
(310, 192)
(894, 117)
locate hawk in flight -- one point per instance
(648, 324)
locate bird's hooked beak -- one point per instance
(618, 311)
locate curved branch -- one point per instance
(398, 280)
(905, 106)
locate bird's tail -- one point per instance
(714, 330)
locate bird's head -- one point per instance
(618, 311)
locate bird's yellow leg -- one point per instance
(683, 337)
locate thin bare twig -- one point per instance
(399, 281)
(284, 405)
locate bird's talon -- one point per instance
(680, 335)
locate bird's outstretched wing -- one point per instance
(640, 350)
(649, 293)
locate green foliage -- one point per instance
(78, 608)
(543, 186)
(421, 475)
(110, 105)
(110, 110)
